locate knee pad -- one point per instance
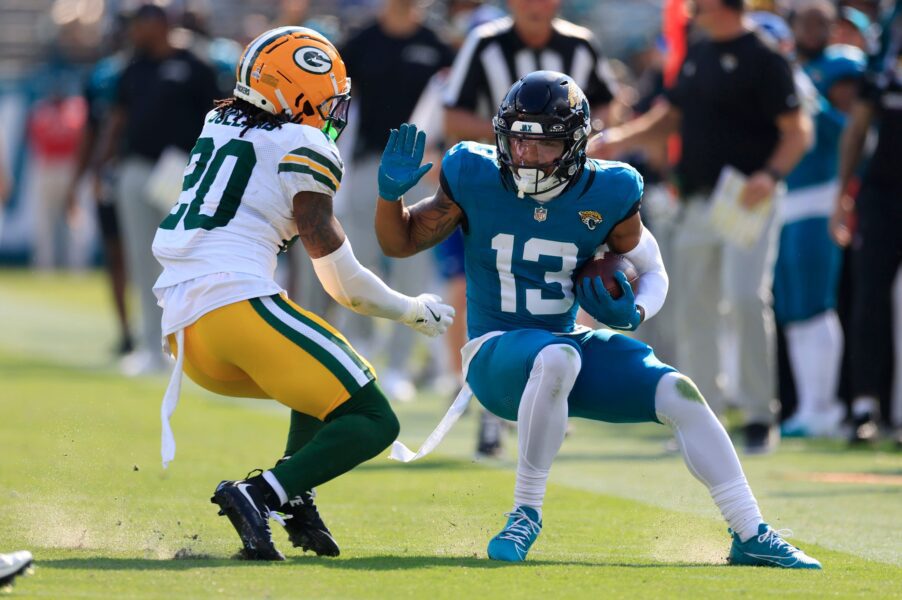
(562, 360)
(678, 399)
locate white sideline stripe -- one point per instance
(326, 344)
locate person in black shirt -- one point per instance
(877, 242)
(735, 104)
(163, 96)
(390, 62)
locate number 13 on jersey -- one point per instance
(555, 282)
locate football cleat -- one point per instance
(14, 565)
(305, 527)
(769, 549)
(760, 438)
(517, 537)
(243, 504)
(489, 438)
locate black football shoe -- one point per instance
(243, 504)
(305, 527)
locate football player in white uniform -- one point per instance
(262, 173)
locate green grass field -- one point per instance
(81, 486)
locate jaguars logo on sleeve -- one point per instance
(311, 169)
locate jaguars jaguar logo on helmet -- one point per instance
(297, 72)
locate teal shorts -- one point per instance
(616, 383)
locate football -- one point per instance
(604, 266)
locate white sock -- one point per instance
(269, 478)
(708, 452)
(864, 405)
(542, 420)
(815, 352)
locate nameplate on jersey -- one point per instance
(526, 127)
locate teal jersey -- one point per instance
(821, 163)
(520, 255)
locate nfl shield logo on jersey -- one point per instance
(540, 214)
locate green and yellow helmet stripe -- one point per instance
(246, 63)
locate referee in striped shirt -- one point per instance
(499, 53)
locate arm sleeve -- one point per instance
(653, 281)
(464, 83)
(311, 168)
(355, 287)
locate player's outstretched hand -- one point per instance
(430, 316)
(400, 168)
(621, 313)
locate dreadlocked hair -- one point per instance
(252, 116)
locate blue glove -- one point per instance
(616, 314)
(400, 168)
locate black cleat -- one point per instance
(759, 438)
(489, 441)
(243, 504)
(306, 528)
(14, 565)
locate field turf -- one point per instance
(81, 487)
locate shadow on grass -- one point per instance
(429, 464)
(368, 563)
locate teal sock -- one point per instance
(353, 433)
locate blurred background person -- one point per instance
(492, 59)
(55, 129)
(807, 270)
(162, 98)
(875, 238)
(734, 103)
(855, 28)
(100, 94)
(390, 61)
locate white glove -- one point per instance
(428, 315)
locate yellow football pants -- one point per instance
(270, 347)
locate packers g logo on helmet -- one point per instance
(312, 60)
(297, 72)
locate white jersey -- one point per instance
(219, 243)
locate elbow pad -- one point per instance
(653, 281)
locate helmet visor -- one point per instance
(334, 111)
(531, 152)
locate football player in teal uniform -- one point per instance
(533, 210)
